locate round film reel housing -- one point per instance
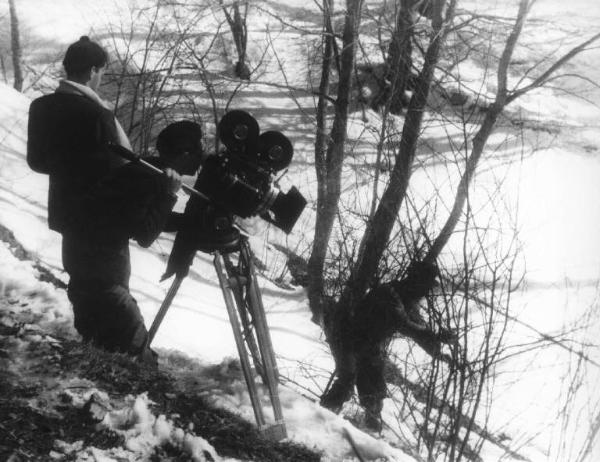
(275, 150)
(239, 131)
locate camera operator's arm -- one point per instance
(130, 203)
(174, 221)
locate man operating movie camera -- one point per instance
(237, 181)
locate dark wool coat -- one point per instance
(67, 139)
(130, 202)
(97, 210)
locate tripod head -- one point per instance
(203, 227)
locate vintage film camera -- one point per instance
(240, 179)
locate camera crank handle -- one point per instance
(194, 192)
(133, 157)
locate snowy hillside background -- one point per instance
(559, 221)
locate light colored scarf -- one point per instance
(70, 87)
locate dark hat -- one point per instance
(83, 55)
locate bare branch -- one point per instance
(509, 49)
(542, 79)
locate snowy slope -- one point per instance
(558, 217)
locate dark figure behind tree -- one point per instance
(359, 346)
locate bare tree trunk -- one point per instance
(3, 68)
(15, 46)
(319, 250)
(399, 61)
(378, 230)
(329, 162)
(461, 381)
(237, 23)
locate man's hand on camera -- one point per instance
(173, 181)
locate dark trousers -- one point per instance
(361, 365)
(105, 312)
(107, 315)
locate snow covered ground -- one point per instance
(558, 189)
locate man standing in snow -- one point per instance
(69, 135)
(130, 202)
(360, 348)
(69, 131)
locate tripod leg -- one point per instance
(267, 354)
(237, 333)
(264, 342)
(238, 284)
(162, 311)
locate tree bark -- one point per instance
(237, 24)
(399, 61)
(15, 46)
(316, 261)
(3, 68)
(378, 230)
(329, 161)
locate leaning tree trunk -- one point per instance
(379, 229)
(15, 46)
(329, 154)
